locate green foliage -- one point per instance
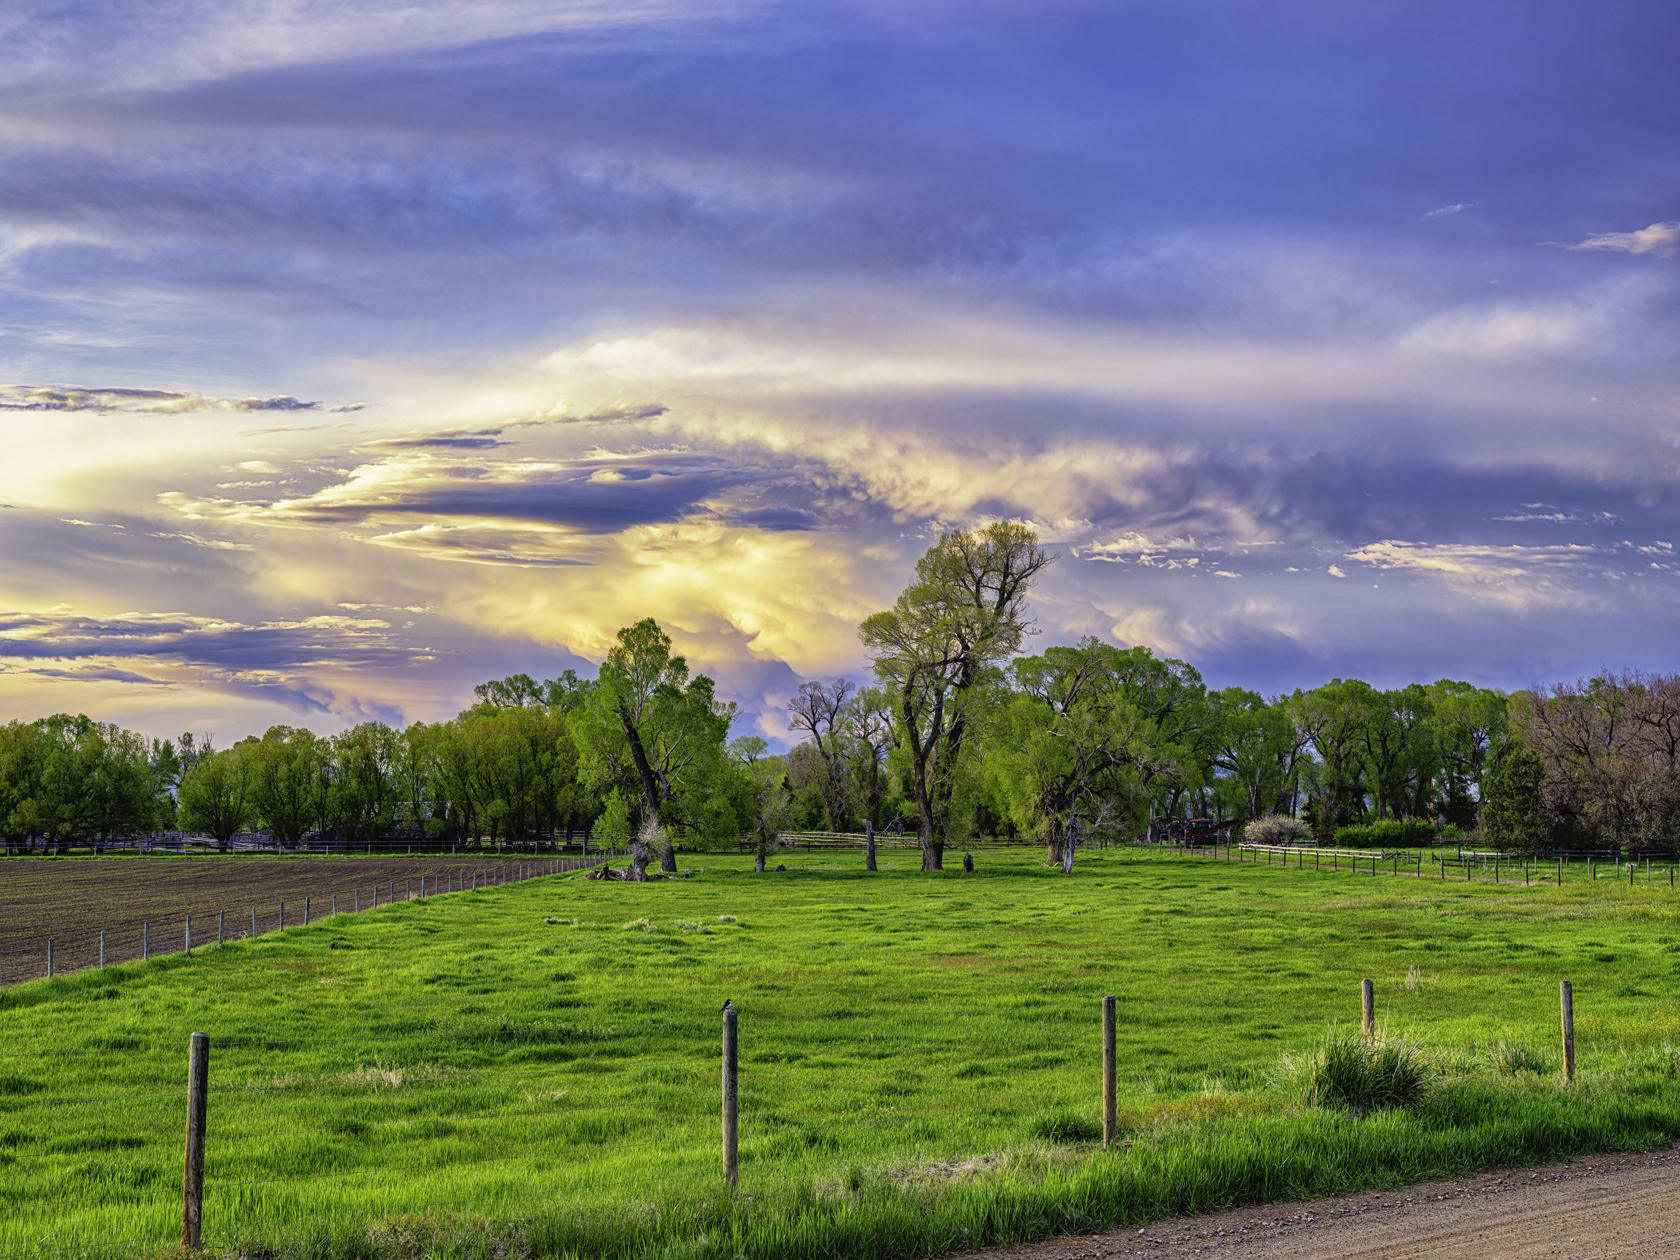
(1513, 814)
(1391, 833)
(71, 779)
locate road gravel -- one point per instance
(1621, 1205)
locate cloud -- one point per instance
(1659, 238)
(143, 401)
(1446, 210)
(288, 662)
(553, 499)
(490, 438)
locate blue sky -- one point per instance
(353, 353)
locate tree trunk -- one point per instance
(1067, 858)
(758, 863)
(868, 845)
(933, 855)
(668, 856)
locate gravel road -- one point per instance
(1612, 1205)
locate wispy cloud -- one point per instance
(1446, 210)
(1659, 238)
(145, 401)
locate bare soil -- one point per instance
(71, 899)
(1608, 1205)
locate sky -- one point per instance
(355, 353)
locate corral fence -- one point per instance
(1555, 868)
(451, 1120)
(148, 938)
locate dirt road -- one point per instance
(1612, 1205)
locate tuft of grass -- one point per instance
(1065, 1126)
(1346, 1071)
(727, 918)
(1512, 1057)
(643, 924)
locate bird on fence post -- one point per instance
(724, 1007)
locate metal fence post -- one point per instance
(192, 1174)
(49, 957)
(189, 936)
(102, 948)
(731, 1102)
(1111, 1112)
(146, 942)
(1566, 1003)
(1368, 1009)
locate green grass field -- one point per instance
(515, 1070)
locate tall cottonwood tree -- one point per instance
(647, 725)
(941, 644)
(821, 709)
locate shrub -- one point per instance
(1400, 833)
(1276, 829)
(1345, 1071)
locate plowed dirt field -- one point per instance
(72, 899)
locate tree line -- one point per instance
(959, 732)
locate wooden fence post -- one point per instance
(146, 942)
(221, 928)
(101, 949)
(253, 923)
(189, 936)
(282, 916)
(192, 1173)
(1368, 1009)
(731, 1102)
(1111, 1114)
(1566, 1003)
(49, 957)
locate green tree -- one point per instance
(365, 793)
(1258, 749)
(289, 782)
(215, 795)
(821, 710)
(648, 728)
(1470, 725)
(1331, 719)
(1513, 811)
(940, 647)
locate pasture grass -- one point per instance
(533, 1069)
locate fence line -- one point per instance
(759, 1109)
(181, 940)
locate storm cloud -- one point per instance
(1316, 343)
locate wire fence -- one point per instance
(368, 1127)
(1491, 867)
(138, 936)
(104, 1164)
